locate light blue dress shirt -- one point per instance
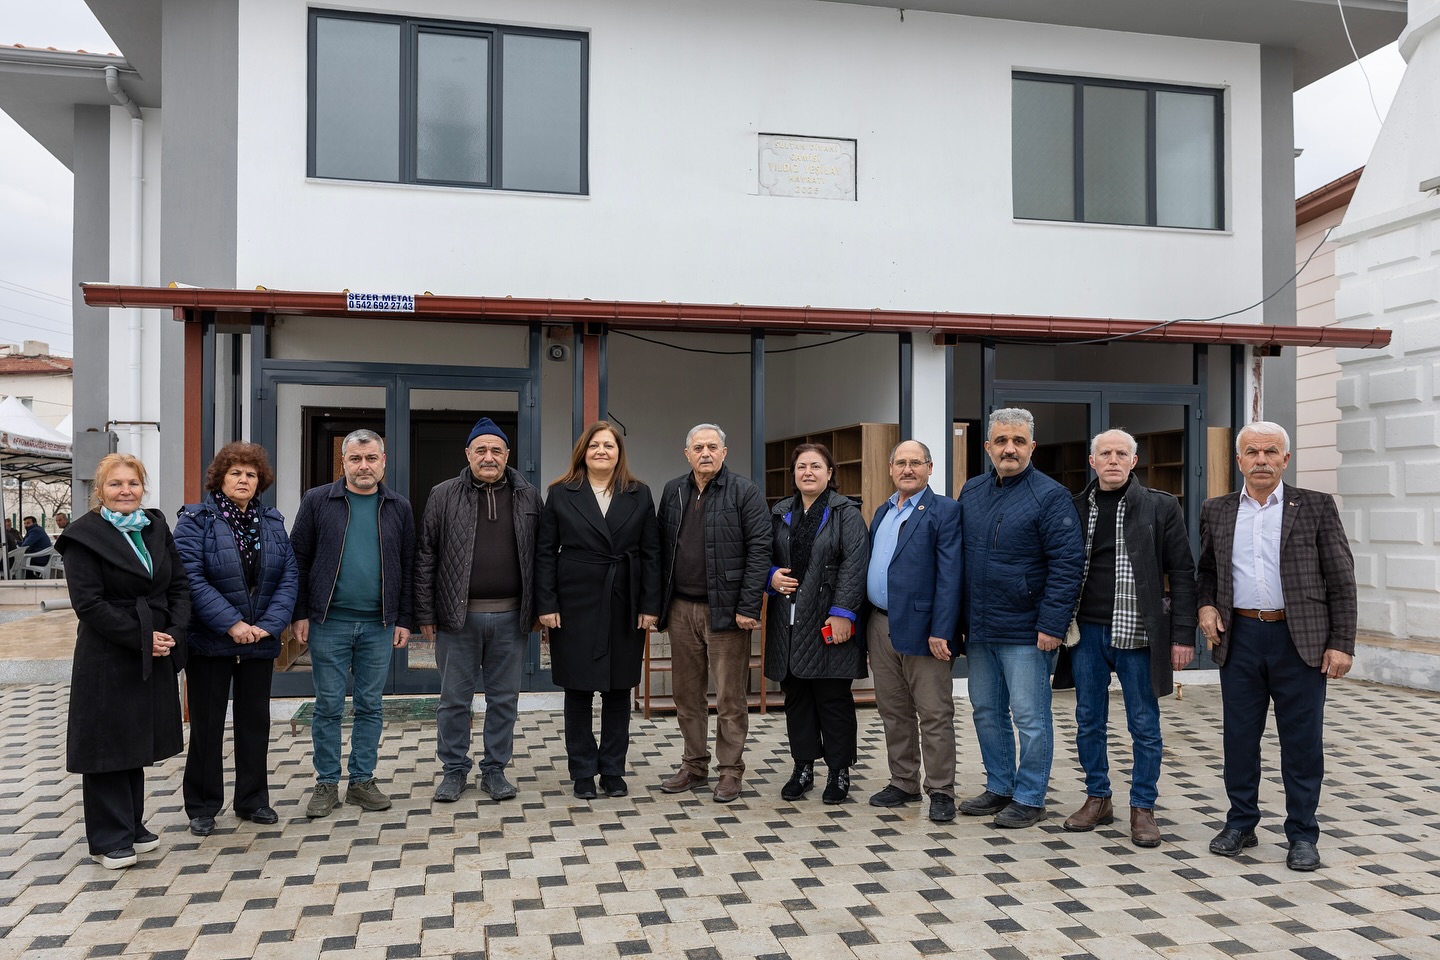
(877, 581)
(1255, 560)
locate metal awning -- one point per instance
(240, 306)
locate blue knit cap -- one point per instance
(486, 427)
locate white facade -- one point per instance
(1388, 262)
(679, 93)
(1316, 372)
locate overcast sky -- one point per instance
(1335, 124)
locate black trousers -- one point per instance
(1262, 666)
(820, 719)
(587, 758)
(208, 688)
(114, 808)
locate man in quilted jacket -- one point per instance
(474, 580)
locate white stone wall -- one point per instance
(1388, 265)
(1316, 415)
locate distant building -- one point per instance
(44, 383)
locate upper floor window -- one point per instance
(406, 100)
(1108, 151)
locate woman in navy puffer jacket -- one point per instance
(243, 584)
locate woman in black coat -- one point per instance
(821, 551)
(243, 582)
(128, 589)
(597, 588)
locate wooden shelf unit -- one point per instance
(862, 462)
(1162, 462)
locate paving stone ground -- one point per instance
(653, 875)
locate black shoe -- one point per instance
(145, 842)
(1302, 856)
(893, 796)
(263, 816)
(202, 826)
(799, 783)
(1229, 842)
(986, 805)
(585, 788)
(613, 786)
(837, 786)
(1017, 815)
(942, 807)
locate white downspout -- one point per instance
(137, 240)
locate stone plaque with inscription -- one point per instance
(816, 167)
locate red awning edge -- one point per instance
(187, 303)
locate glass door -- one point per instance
(1165, 421)
(424, 414)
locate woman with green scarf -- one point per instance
(129, 592)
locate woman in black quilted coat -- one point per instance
(821, 554)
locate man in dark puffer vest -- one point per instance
(715, 558)
(475, 579)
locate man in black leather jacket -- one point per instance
(1134, 538)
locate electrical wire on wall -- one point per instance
(733, 353)
(1166, 323)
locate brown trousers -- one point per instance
(914, 698)
(697, 654)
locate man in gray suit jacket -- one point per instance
(1277, 604)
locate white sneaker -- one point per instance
(116, 859)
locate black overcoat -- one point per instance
(600, 572)
(124, 702)
(834, 585)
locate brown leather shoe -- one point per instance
(727, 789)
(1143, 830)
(683, 779)
(1095, 811)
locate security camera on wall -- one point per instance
(557, 351)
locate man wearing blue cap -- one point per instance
(474, 580)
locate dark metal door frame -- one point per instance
(398, 380)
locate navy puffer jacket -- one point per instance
(218, 593)
(1024, 557)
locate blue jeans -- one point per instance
(339, 651)
(489, 645)
(1010, 694)
(1093, 660)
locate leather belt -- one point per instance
(1264, 616)
(881, 610)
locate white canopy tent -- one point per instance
(29, 450)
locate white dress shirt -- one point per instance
(1255, 560)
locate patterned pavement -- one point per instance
(654, 875)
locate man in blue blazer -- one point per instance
(914, 591)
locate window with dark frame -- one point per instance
(1112, 151)
(410, 100)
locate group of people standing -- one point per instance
(1008, 573)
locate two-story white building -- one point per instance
(784, 216)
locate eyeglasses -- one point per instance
(908, 464)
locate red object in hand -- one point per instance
(827, 634)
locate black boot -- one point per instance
(799, 783)
(837, 788)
